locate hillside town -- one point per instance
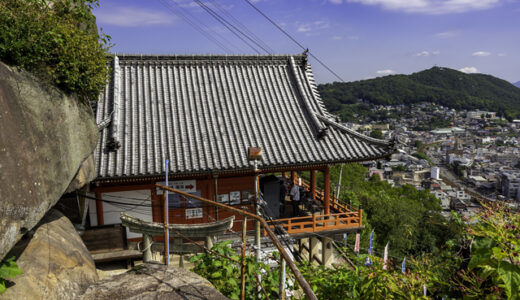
(474, 157)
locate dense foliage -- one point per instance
(481, 264)
(457, 259)
(222, 268)
(443, 86)
(57, 41)
(409, 219)
(494, 268)
(8, 270)
(373, 282)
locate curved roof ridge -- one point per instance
(216, 57)
(355, 133)
(320, 129)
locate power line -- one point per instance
(233, 28)
(186, 16)
(223, 10)
(294, 40)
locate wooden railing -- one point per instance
(320, 196)
(316, 222)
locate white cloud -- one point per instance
(312, 26)
(481, 53)
(190, 4)
(469, 70)
(385, 72)
(423, 53)
(446, 34)
(427, 53)
(434, 7)
(304, 28)
(501, 54)
(348, 37)
(128, 16)
(336, 1)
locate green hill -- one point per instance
(443, 86)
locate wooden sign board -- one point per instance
(187, 186)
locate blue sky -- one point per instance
(358, 39)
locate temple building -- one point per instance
(202, 114)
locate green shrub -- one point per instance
(56, 40)
(224, 273)
(8, 269)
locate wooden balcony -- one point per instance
(318, 222)
(341, 217)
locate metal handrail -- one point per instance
(299, 277)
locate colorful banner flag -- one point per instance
(385, 257)
(345, 238)
(356, 246)
(371, 243)
(403, 266)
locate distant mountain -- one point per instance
(517, 84)
(443, 86)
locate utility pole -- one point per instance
(166, 231)
(255, 154)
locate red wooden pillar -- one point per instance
(293, 176)
(313, 184)
(326, 196)
(99, 210)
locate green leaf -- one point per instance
(9, 269)
(2, 286)
(217, 274)
(510, 275)
(233, 282)
(229, 269)
(217, 263)
(482, 252)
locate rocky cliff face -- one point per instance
(45, 136)
(55, 262)
(153, 281)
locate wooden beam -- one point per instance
(215, 193)
(293, 176)
(326, 177)
(99, 210)
(313, 184)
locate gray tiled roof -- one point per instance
(203, 112)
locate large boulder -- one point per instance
(154, 281)
(55, 262)
(45, 136)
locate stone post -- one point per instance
(313, 247)
(326, 251)
(147, 247)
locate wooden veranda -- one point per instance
(341, 217)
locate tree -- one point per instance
(58, 43)
(377, 134)
(407, 218)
